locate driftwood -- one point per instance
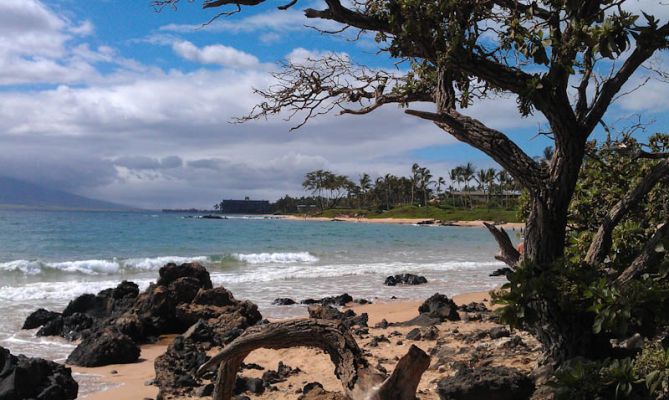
(507, 253)
(360, 381)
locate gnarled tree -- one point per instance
(567, 60)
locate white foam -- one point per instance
(281, 272)
(276, 258)
(59, 291)
(154, 264)
(94, 267)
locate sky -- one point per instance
(113, 100)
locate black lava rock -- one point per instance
(405, 279)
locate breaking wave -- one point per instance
(93, 267)
(276, 258)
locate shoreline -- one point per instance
(401, 221)
(130, 380)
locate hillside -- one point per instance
(15, 193)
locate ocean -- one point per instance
(49, 257)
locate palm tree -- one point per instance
(365, 186)
(440, 181)
(415, 169)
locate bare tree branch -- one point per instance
(492, 142)
(508, 254)
(601, 243)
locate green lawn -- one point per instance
(443, 214)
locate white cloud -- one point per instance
(215, 54)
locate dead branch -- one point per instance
(360, 381)
(508, 254)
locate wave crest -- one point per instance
(94, 267)
(276, 258)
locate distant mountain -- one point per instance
(17, 193)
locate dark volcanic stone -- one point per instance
(184, 289)
(283, 301)
(502, 272)
(281, 374)
(51, 328)
(39, 318)
(104, 348)
(252, 385)
(486, 383)
(405, 279)
(76, 325)
(414, 334)
(311, 386)
(340, 300)
(175, 370)
(440, 307)
(171, 272)
(498, 332)
(219, 296)
(34, 378)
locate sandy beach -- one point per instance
(134, 379)
(402, 221)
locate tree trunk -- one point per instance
(360, 381)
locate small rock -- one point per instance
(283, 301)
(405, 279)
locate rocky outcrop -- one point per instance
(114, 322)
(34, 378)
(105, 348)
(39, 318)
(486, 383)
(405, 279)
(86, 313)
(175, 370)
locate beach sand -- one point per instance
(401, 221)
(316, 366)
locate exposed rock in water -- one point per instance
(502, 272)
(87, 312)
(105, 348)
(405, 279)
(340, 300)
(39, 318)
(34, 378)
(283, 301)
(171, 272)
(486, 383)
(182, 296)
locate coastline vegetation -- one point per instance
(470, 194)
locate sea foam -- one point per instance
(276, 258)
(94, 267)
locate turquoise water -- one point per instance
(47, 258)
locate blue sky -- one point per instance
(113, 100)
